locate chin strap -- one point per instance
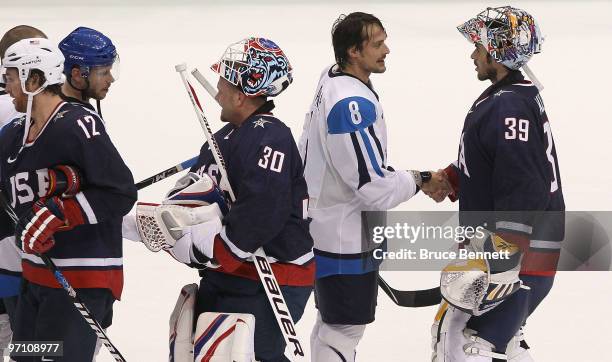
(85, 94)
(99, 108)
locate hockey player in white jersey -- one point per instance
(10, 259)
(344, 148)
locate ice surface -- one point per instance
(428, 87)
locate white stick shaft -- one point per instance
(204, 82)
(264, 269)
(214, 148)
(533, 78)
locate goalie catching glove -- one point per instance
(479, 284)
(186, 223)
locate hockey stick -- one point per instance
(264, 269)
(78, 303)
(403, 298)
(411, 298)
(169, 172)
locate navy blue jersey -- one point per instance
(507, 163)
(90, 254)
(266, 174)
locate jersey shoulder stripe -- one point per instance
(351, 114)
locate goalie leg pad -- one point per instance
(454, 342)
(181, 325)
(518, 350)
(222, 337)
(335, 342)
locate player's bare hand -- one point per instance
(438, 188)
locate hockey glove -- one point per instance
(64, 181)
(193, 190)
(196, 246)
(34, 232)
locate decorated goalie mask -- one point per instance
(257, 66)
(511, 36)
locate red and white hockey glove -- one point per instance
(34, 232)
(64, 181)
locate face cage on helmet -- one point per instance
(497, 30)
(233, 63)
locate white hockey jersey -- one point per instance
(344, 149)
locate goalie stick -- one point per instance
(263, 267)
(78, 303)
(165, 173)
(403, 298)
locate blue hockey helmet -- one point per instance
(88, 48)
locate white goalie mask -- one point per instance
(477, 285)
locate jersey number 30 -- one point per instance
(275, 162)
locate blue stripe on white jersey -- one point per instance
(355, 114)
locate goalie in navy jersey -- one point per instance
(265, 170)
(506, 179)
(70, 189)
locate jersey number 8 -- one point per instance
(354, 110)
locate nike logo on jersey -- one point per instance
(501, 92)
(260, 123)
(60, 114)
(19, 122)
(226, 136)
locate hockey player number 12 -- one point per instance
(92, 122)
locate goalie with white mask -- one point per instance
(506, 178)
(265, 170)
